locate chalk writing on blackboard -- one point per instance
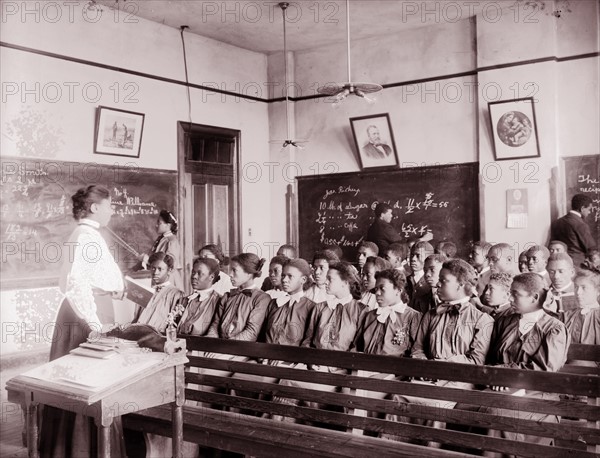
(338, 209)
(37, 216)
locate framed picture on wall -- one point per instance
(514, 129)
(374, 141)
(118, 132)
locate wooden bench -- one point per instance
(337, 431)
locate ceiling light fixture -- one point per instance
(288, 141)
(342, 90)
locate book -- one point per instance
(138, 291)
(93, 353)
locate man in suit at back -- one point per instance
(573, 230)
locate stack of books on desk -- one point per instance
(105, 347)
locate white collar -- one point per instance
(383, 313)
(89, 222)
(162, 285)
(332, 303)
(418, 275)
(484, 270)
(463, 300)
(166, 234)
(589, 308)
(528, 320)
(576, 213)
(543, 273)
(292, 299)
(202, 294)
(564, 288)
(275, 293)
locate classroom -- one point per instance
(205, 149)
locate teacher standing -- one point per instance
(89, 279)
(383, 234)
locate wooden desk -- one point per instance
(145, 380)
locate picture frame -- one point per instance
(514, 129)
(118, 132)
(374, 141)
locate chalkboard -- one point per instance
(338, 209)
(37, 219)
(582, 176)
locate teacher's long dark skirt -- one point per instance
(66, 434)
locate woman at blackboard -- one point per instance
(166, 242)
(89, 279)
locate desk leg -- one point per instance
(103, 439)
(32, 430)
(177, 420)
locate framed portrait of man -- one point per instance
(374, 141)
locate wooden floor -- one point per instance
(11, 426)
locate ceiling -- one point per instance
(257, 25)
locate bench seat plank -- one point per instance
(266, 438)
(490, 399)
(575, 432)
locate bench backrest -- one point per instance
(352, 385)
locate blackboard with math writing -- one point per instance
(338, 209)
(37, 219)
(582, 176)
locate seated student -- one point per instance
(501, 258)
(583, 321)
(365, 250)
(556, 246)
(592, 261)
(523, 262)
(416, 284)
(241, 312)
(428, 299)
(166, 296)
(528, 339)
(212, 251)
(537, 261)
(391, 328)
(455, 331)
(320, 265)
(289, 251)
(200, 306)
(333, 326)
(275, 270)
(397, 255)
(478, 259)
(561, 295)
(336, 249)
(497, 295)
(373, 265)
(287, 318)
(446, 248)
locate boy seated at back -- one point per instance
(501, 258)
(415, 282)
(397, 255)
(478, 258)
(523, 262)
(561, 295)
(537, 261)
(556, 246)
(497, 295)
(429, 300)
(446, 248)
(365, 250)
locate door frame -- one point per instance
(185, 175)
